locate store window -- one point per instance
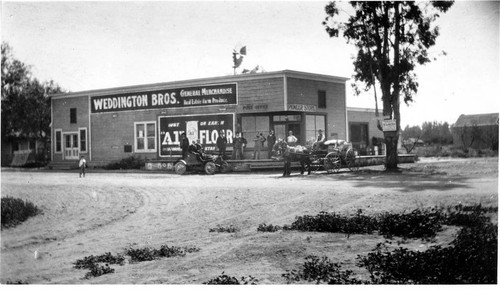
(58, 141)
(313, 124)
(358, 133)
(253, 125)
(83, 140)
(145, 137)
(72, 115)
(322, 99)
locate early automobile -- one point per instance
(201, 161)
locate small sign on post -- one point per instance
(388, 125)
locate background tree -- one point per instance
(25, 101)
(392, 38)
(411, 137)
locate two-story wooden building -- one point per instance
(107, 125)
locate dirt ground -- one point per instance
(109, 211)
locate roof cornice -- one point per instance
(202, 81)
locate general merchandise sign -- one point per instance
(220, 94)
(205, 128)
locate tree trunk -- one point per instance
(391, 157)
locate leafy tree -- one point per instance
(436, 133)
(25, 101)
(391, 38)
(411, 136)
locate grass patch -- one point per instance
(15, 211)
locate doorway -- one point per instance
(71, 151)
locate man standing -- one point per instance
(221, 144)
(184, 145)
(238, 145)
(271, 140)
(291, 139)
(82, 164)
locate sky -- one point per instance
(94, 45)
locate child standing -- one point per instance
(82, 164)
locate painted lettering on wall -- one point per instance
(302, 108)
(205, 128)
(221, 94)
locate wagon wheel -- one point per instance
(180, 167)
(315, 163)
(332, 162)
(210, 167)
(224, 166)
(351, 160)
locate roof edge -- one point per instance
(228, 78)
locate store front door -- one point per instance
(71, 147)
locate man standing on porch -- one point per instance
(291, 139)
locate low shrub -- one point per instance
(224, 229)
(89, 261)
(149, 254)
(420, 223)
(15, 211)
(334, 223)
(92, 263)
(98, 270)
(224, 279)
(131, 162)
(268, 228)
(469, 259)
(320, 270)
(16, 282)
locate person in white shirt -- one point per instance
(82, 164)
(291, 139)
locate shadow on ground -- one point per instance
(406, 180)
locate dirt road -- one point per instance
(109, 211)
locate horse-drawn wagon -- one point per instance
(330, 155)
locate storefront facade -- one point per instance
(147, 120)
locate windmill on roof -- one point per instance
(238, 57)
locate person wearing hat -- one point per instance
(221, 144)
(318, 144)
(321, 137)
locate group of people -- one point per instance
(239, 143)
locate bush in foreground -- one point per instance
(224, 229)
(470, 259)
(319, 270)
(15, 211)
(95, 267)
(224, 279)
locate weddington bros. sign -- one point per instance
(221, 94)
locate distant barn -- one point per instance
(478, 131)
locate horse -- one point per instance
(281, 149)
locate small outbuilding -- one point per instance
(479, 131)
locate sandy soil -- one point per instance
(109, 211)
